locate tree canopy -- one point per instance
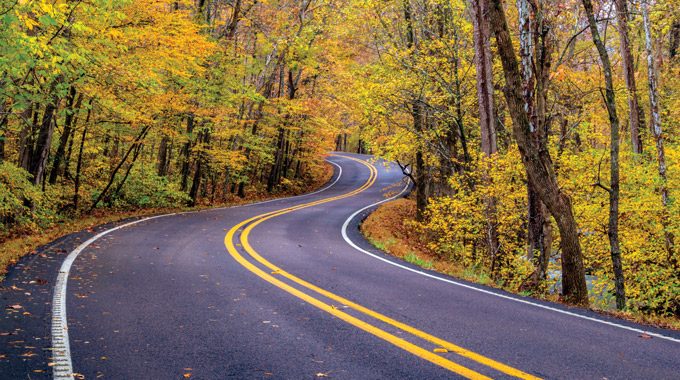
(540, 135)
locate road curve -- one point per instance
(278, 290)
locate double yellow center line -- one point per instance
(410, 347)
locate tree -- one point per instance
(539, 164)
(614, 186)
(658, 132)
(636, 114)
(536, 49)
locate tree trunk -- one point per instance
(79, 164)
(535, 54)
(135, 155)
(204, 139)
(539, 165)
(38, 158)
(134, 145)
(73, 106)
(225, 188)
(484, 65)
(658, 134)
(186, 154)
(163, 159)
(339, 147)
(485, 90)
(674, 40)
(282, 144)
(610, 100)
(277, 166)
(636, 114)
(4, 117)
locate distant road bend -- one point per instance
(288, 289)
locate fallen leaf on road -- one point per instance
(645, 336)
(187, 375)
(14, 307)
(28, 354)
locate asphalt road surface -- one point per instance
(288, 289)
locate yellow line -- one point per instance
(354, 321)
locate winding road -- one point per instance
(289, 289)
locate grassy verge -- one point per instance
(388, 229)
(17, 244)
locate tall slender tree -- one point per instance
(636, 114)
(614, 185)
(657, 129)
(487, 120)
(538, 164)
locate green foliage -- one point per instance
(458, 224)
(414, 259)
(15, 189)
(378, 244)
(148, 190)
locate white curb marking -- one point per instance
(344, 235)
(61, 351)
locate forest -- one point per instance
(539, 135)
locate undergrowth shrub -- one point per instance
(145, 189)
(16, 194)
(458, 222)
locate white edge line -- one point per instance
(61, 351)
(344, 236)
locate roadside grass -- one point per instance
(18, 243)
(388, 229)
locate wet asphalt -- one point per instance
(164, 299)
